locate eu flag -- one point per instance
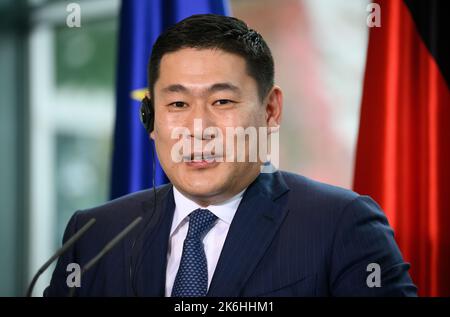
(141, 22)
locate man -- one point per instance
(223, 228)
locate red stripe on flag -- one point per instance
(403, 149)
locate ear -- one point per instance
(274, 108)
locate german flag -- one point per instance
(403, 149)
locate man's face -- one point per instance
(211, 85)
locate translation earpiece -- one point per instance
(147, 114)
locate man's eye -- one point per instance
(223, 102)
(178, 104)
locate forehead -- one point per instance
(198, 67)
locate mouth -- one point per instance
(202, 160)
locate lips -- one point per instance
(201, 157)
(201, 160)
(201, 164)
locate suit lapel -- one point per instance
(254, 226)
(150, 251)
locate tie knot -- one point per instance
(200, 221)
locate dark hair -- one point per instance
(205, 31)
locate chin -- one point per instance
(200, 181)
(200, 185)
(202, 188)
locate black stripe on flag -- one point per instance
(431, 17)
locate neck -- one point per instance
(217, 198)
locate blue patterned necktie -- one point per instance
(192, 275)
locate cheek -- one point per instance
(164, 126)
(249, 115)
(162, 139)
(250, 119)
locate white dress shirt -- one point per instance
(213, 240)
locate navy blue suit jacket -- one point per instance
(291, 236)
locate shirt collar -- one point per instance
(184, 206)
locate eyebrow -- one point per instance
(211, 89)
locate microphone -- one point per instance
(111, 244)
(58, 253)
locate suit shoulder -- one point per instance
(307, 187)
(126, 207)
(319, 202)
(323, 207)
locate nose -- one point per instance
(201, 122)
